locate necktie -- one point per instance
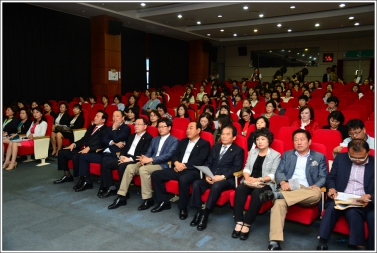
(94, 130)
(222, 153)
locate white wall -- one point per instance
(237, 67)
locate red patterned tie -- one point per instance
(94, 130)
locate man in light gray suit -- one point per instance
(309, 168)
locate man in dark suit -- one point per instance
(191, 151)
(137, 144)
(326, 76)
(157, 157)
(310, 170)
(112, 143)
(352, 173)
(224, 159)
(87, 144)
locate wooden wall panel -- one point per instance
(198, 61)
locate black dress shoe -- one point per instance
(84, 186)
(119, 201)
(202, 223)
(195, 221)
(183, 214)
(266, 196)
(146, 204)
(108, 193)
(162, 206)
(322, 247)
(79, 183)
(236, 234)
(101, 190)
(64, 179)
(274, 247)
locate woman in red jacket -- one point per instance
(306, 120)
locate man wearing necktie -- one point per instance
(87, 144)
(225, 158)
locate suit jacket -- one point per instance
(166, 152)
(79, 122)
(11, 127)
(141, 147)
(231, 161)
(316, 168)
(64, 120)
(118, 135)
(324, 78)
(340, 173)
(92, 141)
(269, 166)
(197, 156)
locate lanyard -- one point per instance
(6, 122)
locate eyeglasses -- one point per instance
(354, 133)
(161, 127)
(357, 159)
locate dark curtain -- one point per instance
(133, 60)
(46, 54)
(168, 61)
(339, 69)
(371, 69)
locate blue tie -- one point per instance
(222, 153)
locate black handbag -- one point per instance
(62, 129)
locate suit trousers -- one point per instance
(185, 178)
(145, 177)
(242, 192)
(303, 197)
(107, 168)
(201, 185)
(86, 159)
(64, 156)
(355, 218)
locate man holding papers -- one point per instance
(224, 159)
(351, 173)
(191, 151)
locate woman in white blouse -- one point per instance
(37, 129)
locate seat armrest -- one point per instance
(237, 174)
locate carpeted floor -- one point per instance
(40, 216)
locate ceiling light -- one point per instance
(292, 7)
(261, 15)
(142, 4)
(235, 34)
(317, 25)
(306, 49)
(282, 50)
(208, 34)
(279, 25)
(314, 58)
(303, 54)
(83, 11)
(310, 57)
(221, 30)
(289, 51)
(245, 34)
(166, 22)
(351, 18)
(198, 22)
(270, 51)
(179, 16)
(245, 7)
(357, 23)
(219, 16)
(298, 53)
(103, 4)
(341, 5)
(255, 30)
(289, 30)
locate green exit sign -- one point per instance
(359, 54)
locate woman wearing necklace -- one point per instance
(75, 122)
(270, 108)
(306, 120)
(37, 129)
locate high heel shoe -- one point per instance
(10, 167)
(237, 233)
(245, 235)
(5, 165)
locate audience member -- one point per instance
(306, 120)
(270, 108)
(154, 116)
(336, 120)
(206, 122)
(151, 104)
(118, 102)
(260, 122)
(332, 104)
(246, 120)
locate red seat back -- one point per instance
(181, 123)
(152, 131)
(208, 137)
(329, 138)
(285, 135)
(178, 133)
(276, 122)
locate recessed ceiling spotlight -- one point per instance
(270, 51)
(179, 16)
(279, 25)
(351, 17)
(292, 7)
(341, 5)
(103, 4)
(282, 50)
(245, 34)
(219, 16)
(357, 23)
(289, 51)
(198, 22)
(310, 57)
(317, 24)
(208, 34)
(221, 30)
(314, 58)
(261, 15)
(166, 22)
(289, 30)
(245, 7)
(83, 11)
(303, 54)
(235, 34)
(142, 4)
(306, 49)
(255, 30)
(298, 53)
